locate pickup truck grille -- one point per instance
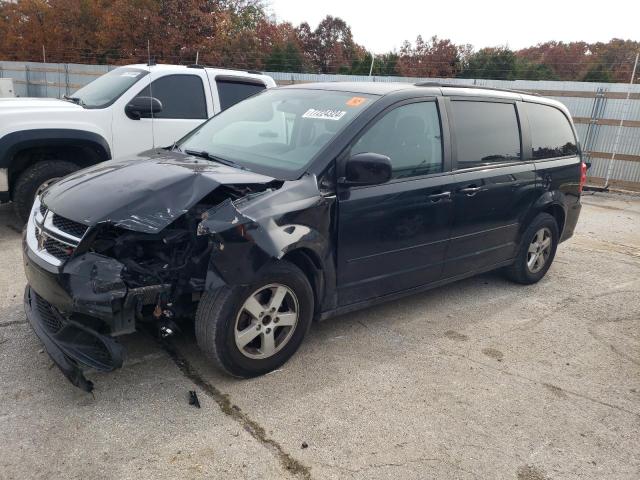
(69, 226)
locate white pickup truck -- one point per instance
(126, 111)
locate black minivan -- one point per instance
(299, 203)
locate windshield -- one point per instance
(279, 131)
(106, 89)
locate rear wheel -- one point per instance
(36, 178)
(537, 251)
(249, 331)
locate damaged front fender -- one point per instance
(254, 230)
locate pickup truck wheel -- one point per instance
(537, 251)
(250, 331)
(36, 178)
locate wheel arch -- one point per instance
(311, 265)
(19, 150)
(551, 203)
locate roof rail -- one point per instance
(200, 65)
(454, 85)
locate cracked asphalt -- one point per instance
(478, 379)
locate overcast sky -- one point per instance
(382, 26)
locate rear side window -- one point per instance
(182, 96)
(234, 91)
(551, 132)
(485, 133)
(410, 136)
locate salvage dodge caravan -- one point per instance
(298, 204)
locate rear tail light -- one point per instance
(583, 176)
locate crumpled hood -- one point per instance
(144, 193)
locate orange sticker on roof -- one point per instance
(355, 101)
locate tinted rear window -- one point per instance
(232, 92)
(485, 133)
(551, 133)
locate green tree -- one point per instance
(287, 59)
(598, 73)
(491, 63)
(526, 70)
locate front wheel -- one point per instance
(34, 180)
(250, 331)
(537, 251)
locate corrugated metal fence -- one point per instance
(596, 107)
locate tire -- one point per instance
(521, 271)
(29, 181)
(221, 317)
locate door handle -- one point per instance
(436, 197)
(470, 191)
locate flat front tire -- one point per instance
(536, 252)
(249, 331)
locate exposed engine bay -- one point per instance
(176, 255)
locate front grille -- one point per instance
(69, 226)
(50, 319)
(57, 249)
(43, 209)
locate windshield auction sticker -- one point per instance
(130, 74)
(324, 114)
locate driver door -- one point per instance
(393, 237)
(185, 99)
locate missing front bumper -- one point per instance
(71, 345)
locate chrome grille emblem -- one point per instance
(42, 238)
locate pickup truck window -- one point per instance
(234, 91)
(182, 96)
(279, 131)
(551, 132)
(410, 136)
(486, 133)
(105, 90)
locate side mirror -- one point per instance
(143, 107)
(367, 169)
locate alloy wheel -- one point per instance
(266, 321)
(539, 250)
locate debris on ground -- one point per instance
(193, 399)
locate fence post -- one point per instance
(26, 77)
(66, 79)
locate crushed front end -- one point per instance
(126, 243)
(88, 285)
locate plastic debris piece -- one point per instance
(193, 399)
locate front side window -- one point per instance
(410, 136)
(182, 96)
(551, 133)
(279, 131)
(106, 89)
(485, 133)
(234, 91)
